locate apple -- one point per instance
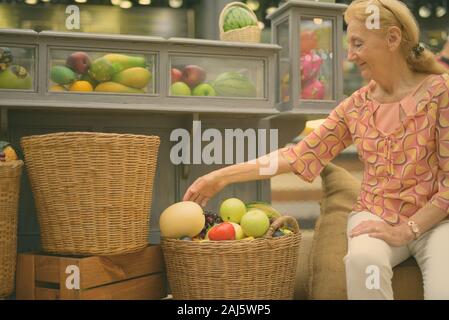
(193, 75)
(204, 89)
(255, 223)
(310, 66)
(222, 231)
(232, 210)
(78, 62)
(239, 234)
(176, 75)
(314, 90)
(180, 89)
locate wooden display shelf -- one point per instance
(133, 276)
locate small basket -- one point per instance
(10, 173)
(93, 191)
(248, 34)
(259, 269)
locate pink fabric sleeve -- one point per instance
(441, 198)
(309, 156)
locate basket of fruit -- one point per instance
(10, 172)
(93, 191)
(246, 252)
(238, 23)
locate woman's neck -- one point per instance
(398, 77)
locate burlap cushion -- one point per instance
(327, 273)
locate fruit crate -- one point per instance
(133, 276)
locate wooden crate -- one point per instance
(132, 276)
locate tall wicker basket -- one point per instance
(260, 269)
(247, 34)
(10, 173)
(93, 191)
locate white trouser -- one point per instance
(368, 255)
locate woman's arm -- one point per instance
(306, 159)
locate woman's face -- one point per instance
(367, 49)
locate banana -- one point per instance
(265, 207)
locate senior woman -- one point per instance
(399, 124)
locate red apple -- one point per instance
(176, 75)
(78, 62)
(314, 90)
(193, 75)
(222, 231)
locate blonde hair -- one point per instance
(395, 13)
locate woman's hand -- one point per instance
(204, 188)
(395, 236)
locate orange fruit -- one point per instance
(81, 85)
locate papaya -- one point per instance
(114, 87)
(234, 84)
(7, 153)
(122, 62)
(15, 77)
(136, 77)
(62, 75)
(101, 70)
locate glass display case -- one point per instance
(18, 61)
(106, 72)
(309, 71)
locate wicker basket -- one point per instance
(247, 34)
(93, 191)
(260, 269)
(10, 173)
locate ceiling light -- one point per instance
(424, 11)
(116, 2)
(440, 11)
(261, 25)
(126, 4)
(81, 1)
(175, 3)
(145, 2)
(270, 10)
(317, 21)
(30, 1)
(253, 4)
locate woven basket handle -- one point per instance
(233, 4)
(279, 222)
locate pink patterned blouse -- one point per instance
(406, 158)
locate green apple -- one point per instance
(255, 223)
(239, 234)
(232, 210)
(180, 89)
(204, 89)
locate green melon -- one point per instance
(237, 18)
(234, 84)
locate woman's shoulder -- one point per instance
(438, 84)
(358, 99)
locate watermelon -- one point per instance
(237, 18)
(234, 84)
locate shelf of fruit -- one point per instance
(235, 220)
(82, 70)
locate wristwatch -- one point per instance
(414, 227)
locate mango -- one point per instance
(101, 70)
(136, 77)
(121, 62)
(15, 77)
(62, 75)
(114, 87)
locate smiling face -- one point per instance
(368, 49)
